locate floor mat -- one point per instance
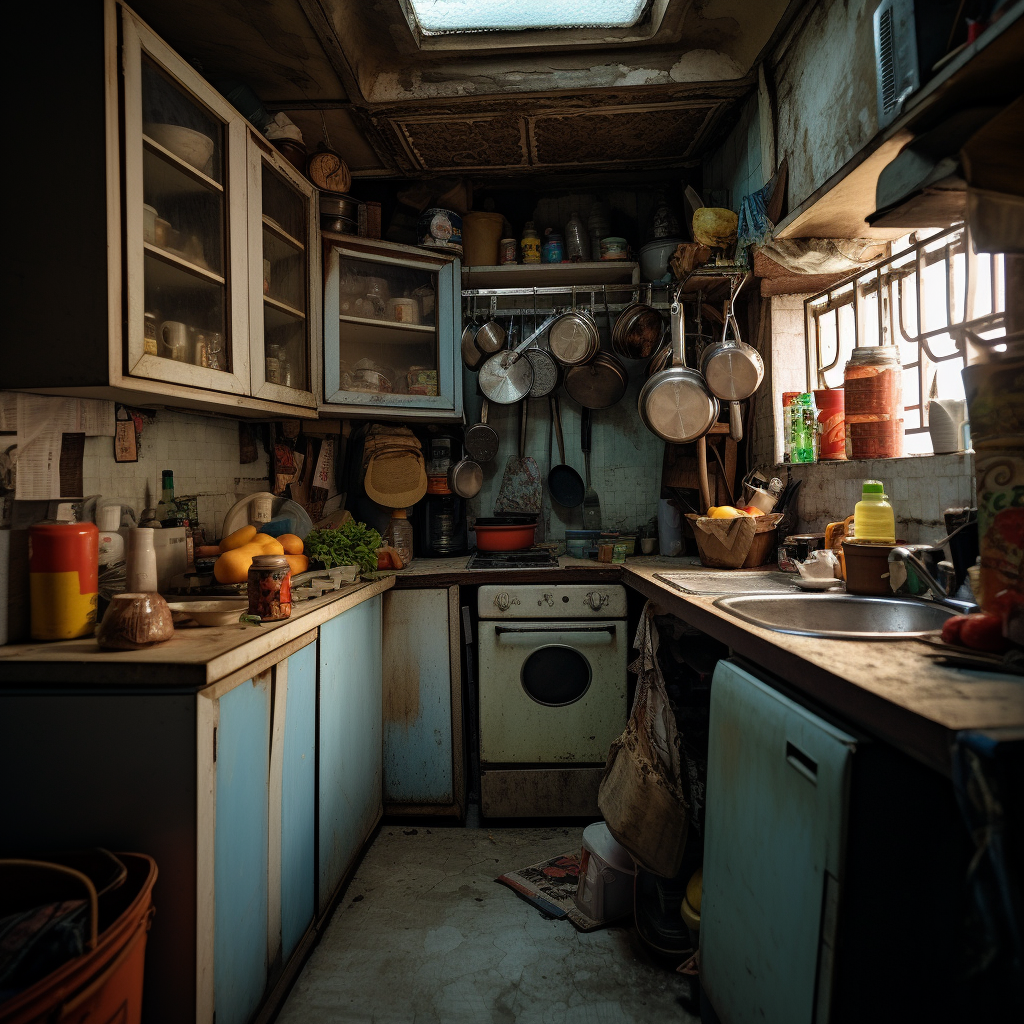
(550, 887)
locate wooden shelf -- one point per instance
(183, 267)
(550, 275)
(280, 234)
(389, 324)
(280, 314)
(181, 165)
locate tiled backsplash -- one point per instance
(919, 488)
(202, 452)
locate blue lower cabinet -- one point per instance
(241, 850)
(350, 742)
(298, 801)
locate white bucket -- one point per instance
(605, 890)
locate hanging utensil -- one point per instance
(481, 439)
(465, 478)
(733, 369)
(471, 355)
(675, 404)
(565, 485)
(491, 337)
(521, 486)
(591, 502)
(638, 331)
(506, 378)
(599, 384)
(574, 338)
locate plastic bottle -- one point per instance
(577, 241)
(399, 534)
(166, 508)
(873, 517)
(529, 246)
(108, 519)
(802, 429)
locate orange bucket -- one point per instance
(105, 983)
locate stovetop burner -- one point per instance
(541, 559)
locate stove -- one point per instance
(531, 559)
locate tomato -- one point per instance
(983, 631)
(951, 628)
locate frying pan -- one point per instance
(574, 338)
(481, 439)
(471, 355)
(598, 384)
(506, 378)
(565, 485)
(733, 370)
(465, 478)
(491, 337)
(675, 404)
(638, 331)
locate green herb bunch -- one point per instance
(351, 544)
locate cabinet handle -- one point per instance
(805, 765)
(555, 629)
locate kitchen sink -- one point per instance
(838, 616)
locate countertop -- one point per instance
(888, 689)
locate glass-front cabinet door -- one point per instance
(284, 279)
(185, 223)
(389, 330)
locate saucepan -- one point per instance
(502, 534)
(675, 404)
(733, 370)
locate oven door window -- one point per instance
(556, 675)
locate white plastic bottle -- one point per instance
(108, 519)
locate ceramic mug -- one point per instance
(175, 337)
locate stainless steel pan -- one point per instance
(574, 338)
(732, 369)
(675, 404)
(599, 384)
(482, 439)
(506, 378)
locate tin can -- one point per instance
(63, 573)
(270, 588)
(150, 340)
(507, 251)
(441, 229)
(831, 424)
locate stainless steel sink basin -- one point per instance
(838, 616)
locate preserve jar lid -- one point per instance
(270, 562)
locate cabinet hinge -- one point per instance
(215, 744)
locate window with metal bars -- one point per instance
(935, 298)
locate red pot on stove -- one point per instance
(504, 537)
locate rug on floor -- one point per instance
(550, 887)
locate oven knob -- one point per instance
(595, 600)
(503, 601)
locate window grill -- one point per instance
(935, 298)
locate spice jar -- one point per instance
(873, 386)
(270, 588)
(507, 251)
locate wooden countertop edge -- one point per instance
(193, 659)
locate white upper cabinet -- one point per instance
(391, 323)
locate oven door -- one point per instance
(551, 692)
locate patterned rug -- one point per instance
(550, 887)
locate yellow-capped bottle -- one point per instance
(873, 518)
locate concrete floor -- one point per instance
(424, 935)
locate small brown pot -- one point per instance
(867, 567)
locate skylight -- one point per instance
(445, 17)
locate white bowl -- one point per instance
(212, 612)
(654, 257)
(193, 147)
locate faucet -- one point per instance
(910, 554)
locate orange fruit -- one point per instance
(298, 563)
(291, 543)
(238, 538)
(272, 547)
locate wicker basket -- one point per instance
(740, 543)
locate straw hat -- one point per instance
(395, 474)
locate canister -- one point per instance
(831, 424)
(441, 229)
(552, 250)
(873, 386)
(63, 568)
(507, 251)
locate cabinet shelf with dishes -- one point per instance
(168, 288)
(410, 349)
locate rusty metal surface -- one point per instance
(547, 792)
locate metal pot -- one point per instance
(504, 538)
(599, 384)
(733, 370)
(574, 338)
(675, 404)
(638, 331)
(339, 206)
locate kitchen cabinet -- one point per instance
(392, 324)
(349, 743)
(241, 839)
(161, 289)
(778, 786)
(423, 750)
